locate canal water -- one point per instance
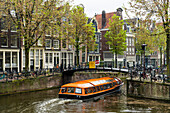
(48, 102)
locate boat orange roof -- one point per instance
(88, 83)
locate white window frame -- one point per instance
(46, 43)
(6, 42)
(15, 39)
(56, 43)
(37, 52)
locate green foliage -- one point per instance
(116, 36)
(157, 9)
(80, 32)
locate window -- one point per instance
(108, 55)
(63, 90)
(132, 41)
(51, 57)
(7, 59)
(70, 58)
(100, 45)
(127, 50)
(133, 51)
(104, 87)
(113, 84)
(56, 44)
(94, 89)
(130, 51)
(110, 85)
(98, 88)
(4, 41)
(37, 57)
(32, 54)
(97, 38)
(23, 57)
(13, 41)
(48, 44)
(41, 54)
(101, 87)
(46, 57)
(78, 90)
(14, 59)
(70, 90)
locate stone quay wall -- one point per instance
(32, 84)
(139, 89)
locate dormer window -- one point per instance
(48, 43)
(56, 44)
(4, 41)
(13, 41)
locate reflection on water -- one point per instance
(48, 102)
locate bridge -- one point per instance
(67, 74)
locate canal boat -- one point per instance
(90, 89)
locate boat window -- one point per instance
(105, 86)
(78, 90)
(63, 90)
(101, 87)
(109, 80)
(110, 85)
(117, 82)
(70, 90)
(113, 84)
(94, 89)
(98, 88)
(88, 90)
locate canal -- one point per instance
(48, 102)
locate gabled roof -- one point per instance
(99, 19)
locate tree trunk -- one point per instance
(160, 57)
(115, 60)
(27, 59)
(77, 55)
(168, 53)
(141, 60)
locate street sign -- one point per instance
(91, 64)
(97, 62)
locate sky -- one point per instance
(93, 7)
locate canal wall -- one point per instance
(154, 90)
(32, 84)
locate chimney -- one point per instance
(103, 19)
(119, 12)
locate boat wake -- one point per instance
(51, 104)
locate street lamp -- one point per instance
(143, 48)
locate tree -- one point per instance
(80, 32)
(158, 9)
(142, 35)
(160, 40)
(116, 37)
(32, 18)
